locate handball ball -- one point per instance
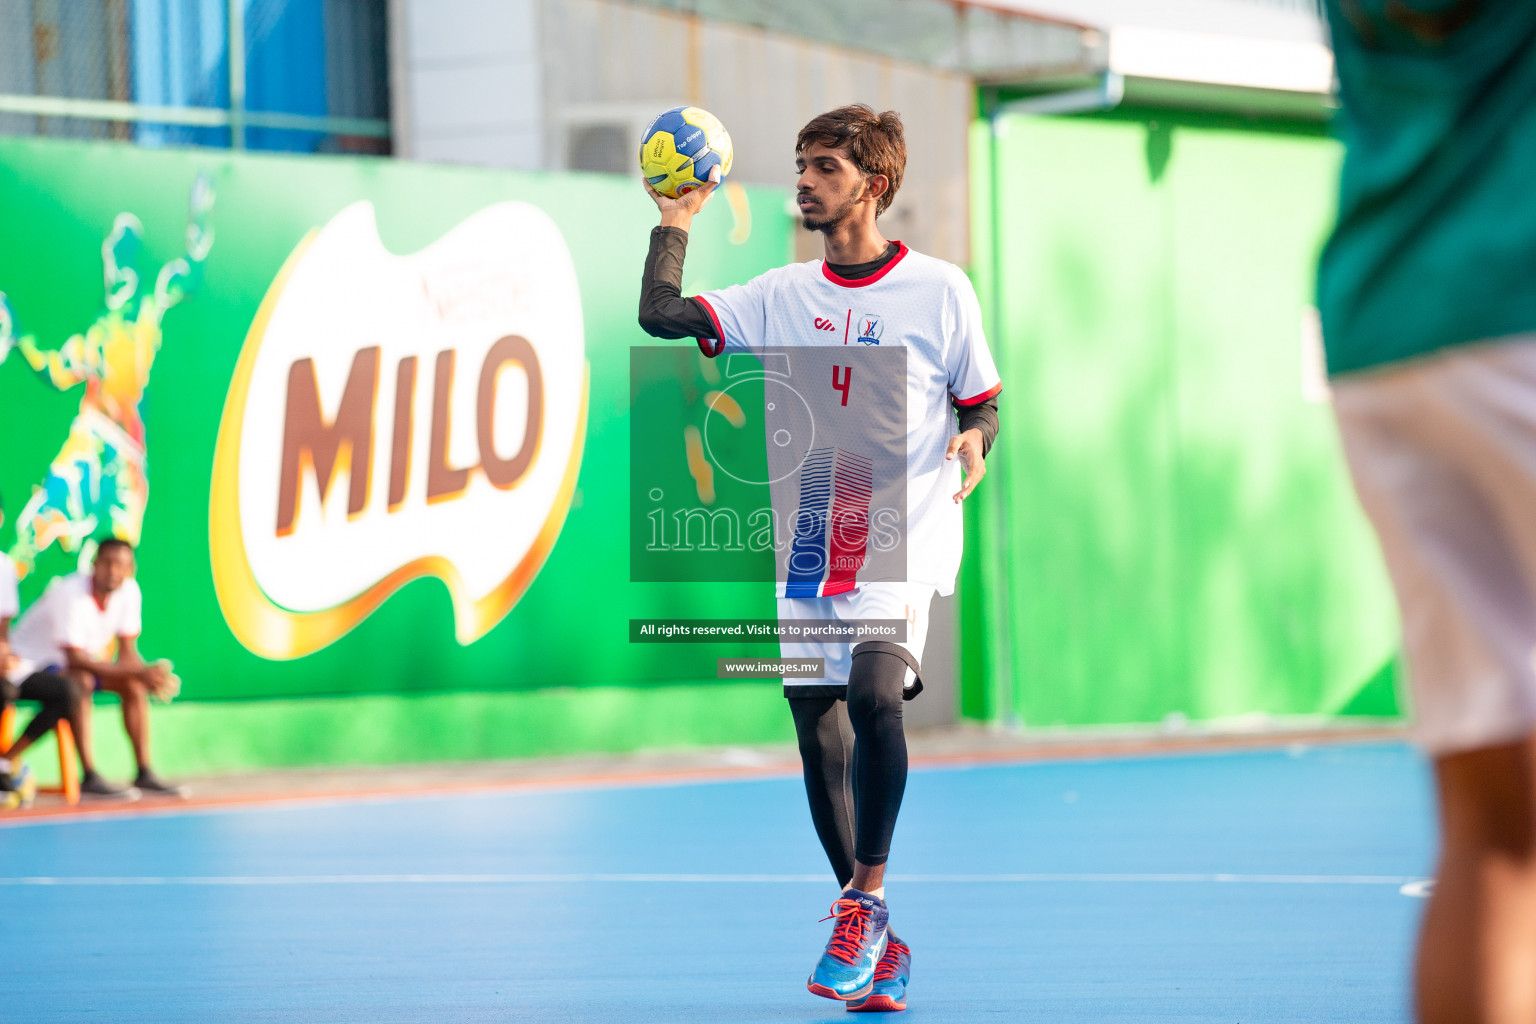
(679, 149)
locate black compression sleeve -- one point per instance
(664, 313)
(983, 417)
(879, 751)
(854, 757)
(826, 755)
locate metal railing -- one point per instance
(179, 71)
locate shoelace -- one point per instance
(853, 920)
(888, 964)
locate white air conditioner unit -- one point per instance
(605, 137)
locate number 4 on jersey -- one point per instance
(843, 384)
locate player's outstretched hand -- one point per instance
(967, 447)
(680, 212)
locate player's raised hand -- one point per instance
(967, 447)
(680, 212)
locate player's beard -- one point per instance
(830, 215)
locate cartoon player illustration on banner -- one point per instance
(98, 483)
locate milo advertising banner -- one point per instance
(367, 422)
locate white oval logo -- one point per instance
(393, 417)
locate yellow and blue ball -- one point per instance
(680, 148)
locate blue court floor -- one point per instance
(1232, 888)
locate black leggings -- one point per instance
(58, 695)
(855, 761)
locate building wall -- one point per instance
(1168, 524)
(570, 84)
(468, 82)
(764, 86)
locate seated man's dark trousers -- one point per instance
(59, 696)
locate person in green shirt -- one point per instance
(1427, 290)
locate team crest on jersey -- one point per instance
(870, 329)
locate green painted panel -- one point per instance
(1287, 606)
(1172, 530)
(1088, 430)
(569, 627)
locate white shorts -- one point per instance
(1443, 455)
(908, 601)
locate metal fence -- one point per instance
(298, 75)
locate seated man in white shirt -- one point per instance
(69, 629)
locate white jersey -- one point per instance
(10, 597)
(67, 615)
(920, 303)
(10, 607)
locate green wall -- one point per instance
(1170, 530)
(557, 673)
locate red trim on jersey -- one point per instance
(711, 347)
(847, 327)
(826, 271)
(994, 389)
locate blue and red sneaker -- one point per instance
(847, 969)
(891, 976)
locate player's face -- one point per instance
(113, 566)
(829, 187)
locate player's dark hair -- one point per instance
(107, 543)
(875, 142)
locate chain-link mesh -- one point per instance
(70, 67)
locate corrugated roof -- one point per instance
(1247, 19)
(1276, 47)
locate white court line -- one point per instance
(1402, 882)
